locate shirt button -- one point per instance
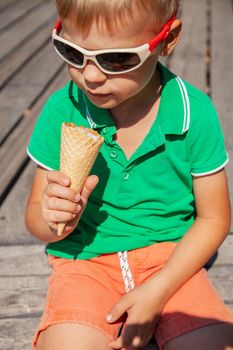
(105, 130)
(126, 176)
(113, 154)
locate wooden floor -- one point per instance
(29, 72)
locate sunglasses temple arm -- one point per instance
(58, 26)
(163, 35)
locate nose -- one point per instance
(92, 74)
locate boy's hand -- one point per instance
(143, 306)
(60, 203)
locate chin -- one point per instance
(103, 103)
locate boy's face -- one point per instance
(106, 90)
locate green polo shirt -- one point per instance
(149, 197)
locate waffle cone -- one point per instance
(79, 149)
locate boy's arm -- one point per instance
(210, 228)
(34, 220)
(145, 303)
(52, 201)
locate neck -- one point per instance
(139, 106)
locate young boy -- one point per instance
(156, 207)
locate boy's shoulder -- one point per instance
(195, 95)
(186, 89)
(183, 105)
(202, 109)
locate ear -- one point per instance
(172, 38)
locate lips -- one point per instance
(98, 94)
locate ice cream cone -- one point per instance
(79, 149)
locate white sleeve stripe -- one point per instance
(37, 162)
(212, 171)
(186, 104)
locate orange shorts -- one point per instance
(83, 291)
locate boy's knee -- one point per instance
(72, 336)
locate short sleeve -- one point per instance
(206, 142)
(44, 144)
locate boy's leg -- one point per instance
(80, 294)
(72, 336)
(215, 337)
(193, 310)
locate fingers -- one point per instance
(59, 190)
(119, 309)
(58, 186)
(136, 331)
(60, 203)
(57, 177)
(129, 338)
(55, 216)
(126, 339)
(89, 186)
(59, 210)
(133, 337)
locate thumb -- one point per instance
(89, 186)
(118, 310)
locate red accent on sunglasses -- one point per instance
(58, 25)
(162, 35)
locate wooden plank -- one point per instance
(5, 4)
(23, 288)
(188, 59)
(26, 87)
(222, 278)
(22, 295)
(23, 30)
(12, 226)
(15, 146)
(17, 333)
(23, 53)
(225, 253)
(21, 8)
(21, 260)
(24, 282)
(222, 75)
(221, 64)
(229, 171)
(23, 279)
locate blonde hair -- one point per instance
(115, 12)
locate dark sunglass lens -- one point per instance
(69, 53)
(118, 61)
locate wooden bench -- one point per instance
(29, 72)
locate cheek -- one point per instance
(134, 82)
(76, 75)
(147, 70)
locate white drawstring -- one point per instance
(126, 272)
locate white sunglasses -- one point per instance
(110, 61)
